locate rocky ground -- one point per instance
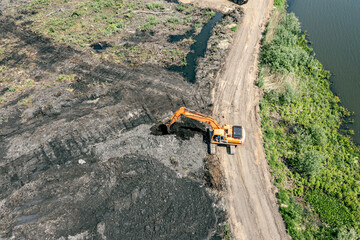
(80, 157)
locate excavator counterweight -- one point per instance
(230, 135)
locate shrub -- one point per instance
(234, 28)
(282, 58)
(347, 234)
(279, 3)
(260, 82)
(309, 164)
(181, 7)
(288, 95)
(153, 20)
(12, 89)
(283, 196)
(227, 233)
(283, 54)
(302, 139)
(209, 13)
(269, 133)
(330, 210)
(318, 135)
(152, 6)
(272, 96)
(173, 20)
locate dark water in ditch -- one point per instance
(197, 49)
(334, 30)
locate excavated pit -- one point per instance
(183, 129)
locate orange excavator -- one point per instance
(229, 135)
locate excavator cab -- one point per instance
(238, 132)
(229, 135)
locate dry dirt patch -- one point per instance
(223, 6)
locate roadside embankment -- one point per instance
(314, 165)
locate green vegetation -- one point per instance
(227, 233)
(314, 166)
(234, 28)
(83, 22)
(181, 7)
(66, 78)
(26, 101)
(158, 6)
(173, 20)
(151, 22)
(210, 14)
(12, 89)
(80, 22)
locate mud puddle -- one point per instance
(197, 50)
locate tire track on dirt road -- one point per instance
(250, 199)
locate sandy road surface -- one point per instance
(250, 200)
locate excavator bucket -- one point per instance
(164, 129)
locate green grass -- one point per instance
(12, 89)
(181, 7)
(81, 22)
(209, 14)
(158, 6)
(331, 210)
(234, 28)
(151, 22)
(66, 78)
(173, 20)
(315, 167)
(227, 233)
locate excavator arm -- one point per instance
(183, 111)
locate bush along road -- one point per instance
(313, 162)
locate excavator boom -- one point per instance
(183, 111)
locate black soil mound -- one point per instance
(133, 197)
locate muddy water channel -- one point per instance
(197, 49)
(334, 30)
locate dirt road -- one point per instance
(250, 198)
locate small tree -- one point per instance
(347, 234)
(318, 135)
(309, 164)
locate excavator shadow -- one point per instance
(186, 130)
